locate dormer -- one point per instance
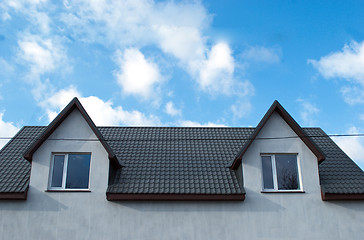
(72, 149)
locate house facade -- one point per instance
(73, 180)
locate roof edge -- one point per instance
(14, 196)
(74, 104)
(174, 197)
(277, 107)
(341, 196)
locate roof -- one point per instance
(74, 104)
(277, 107)
(168, 161)
(175, 162)
(14, 169)
(179, 163)
(340, 177)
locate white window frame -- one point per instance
(274, 173)
(64, 176)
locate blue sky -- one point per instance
(185, 63)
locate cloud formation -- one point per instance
(308, 112)
(101, 112)
(55, 102)
(347, 64)
(171, 110)
(7, 129)
(216, 72)
(352, 146)
(42, 55)
(137, 75)
(6, 69)
(241, 108)
(262, 54)
(187, 123)
(31, 9)
(104, 114)
(176, 29)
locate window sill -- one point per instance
(67, 190)
(282, 191)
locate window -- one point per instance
(280, 172)
(69, 171)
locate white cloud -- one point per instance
(262, 54)
(308, 112)
(5, 16)
(188, 123)
(175, 28)
(39, 51)
(137, 75)
(31, 10)
(352, 146)
(353, 94)
(137, 22)
(5, 67)
(347, 64)
(7, 129)
(171, 110)
(55, 102)
(43, 21)
(184, 43)
(101, 112)
(241, 108)
(216, 72)
(43, 55)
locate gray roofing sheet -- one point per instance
(177, 160)
(338, 173)
(14, 169)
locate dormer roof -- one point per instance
(278, 108)
(74, 104)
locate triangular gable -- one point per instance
(74, 104)
(277, 107)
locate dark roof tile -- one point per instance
(338, 173)
(14, 169)
(168, 160)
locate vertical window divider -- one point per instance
(50, 175)
(65, 165)
(274, 172)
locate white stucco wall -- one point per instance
(52, 215)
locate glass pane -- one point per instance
(287, 173)
(267, 172)
(57, 174)
(78, 171)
